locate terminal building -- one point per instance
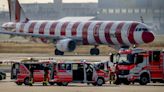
(58, 9)
(152, 11)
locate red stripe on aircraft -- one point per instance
(63, 29)
(74, 28)
(42, 27)
(85, 33)
(118, 32)
(131, 33)
(52, 28)
(22, 27)
(96, 32)
(17, 11)
(107, 32)
(31, 28)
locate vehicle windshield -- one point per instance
(125, 59)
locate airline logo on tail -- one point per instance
(16, 12)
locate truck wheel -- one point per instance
(100, 81)
(51, 83)
(144, 80)
(59, 83)
(65, 83)
(26, 81)
(127, 82)
(19, 83)
(94, 84)
(117, 82)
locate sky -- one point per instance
(3, 3)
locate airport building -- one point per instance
(58, 9)
(152, 11)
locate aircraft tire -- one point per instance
(94, 51)
(58, 52)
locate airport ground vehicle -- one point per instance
(139, 65)
(2, 75)
(60, 73)
(79, 72)
(21, 72)
(109, 67)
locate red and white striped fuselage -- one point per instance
(122, 33)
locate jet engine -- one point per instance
(66, 45)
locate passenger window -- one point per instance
(75, 66)
(156, 56)
(68, 66)
(62, 66)
(139, 59)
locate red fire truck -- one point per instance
(20, 72)
(78, 72)
(138, 65)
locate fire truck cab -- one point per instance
(138, 65)
(78, 72)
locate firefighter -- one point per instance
(45, 81)
(112, 72)
(31, 75)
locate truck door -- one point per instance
(38, 72)
(15, 70)
(89, 72)
(156, 65)
(78, 72)
(64, 72)
(52, 70)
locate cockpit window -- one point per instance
(141, 29)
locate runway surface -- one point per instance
(15, 57)
(10, 86)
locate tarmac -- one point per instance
(9, 85)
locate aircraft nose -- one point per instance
(148, 37)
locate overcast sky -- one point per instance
(4, 2)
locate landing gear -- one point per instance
(58, 52)
(94, 51)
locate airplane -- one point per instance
(67, 35)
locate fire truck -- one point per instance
(78, 72)
(20, 72)
(138, 65)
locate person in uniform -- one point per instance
(46, 69)
(31, 75)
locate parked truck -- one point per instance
(138, 65)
